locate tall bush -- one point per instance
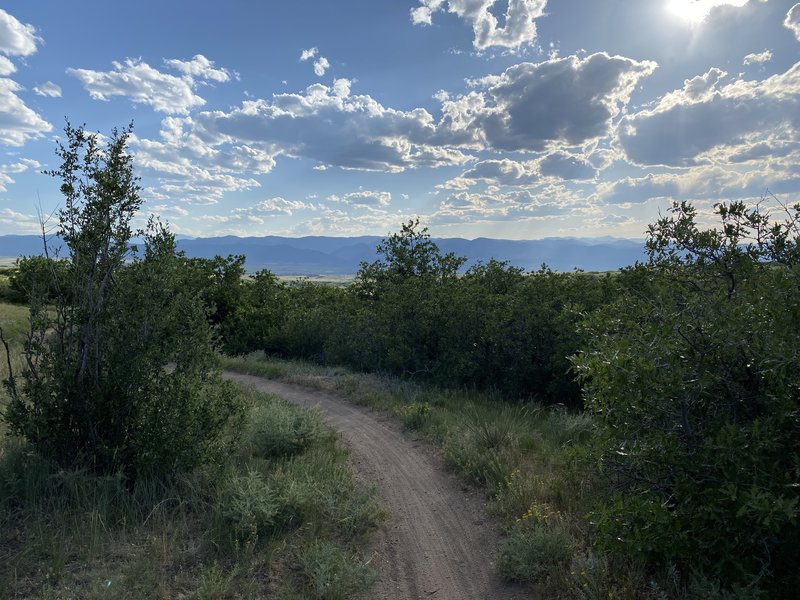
(97, 392)
(693, 378)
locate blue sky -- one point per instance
(496, 118)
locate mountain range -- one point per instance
(321, 255)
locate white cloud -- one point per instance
(141, 83)
(513, 205)
(333, 127)
(320, 66)
(706, 122)
(6, 66)
(18, 167)
(557, 166)
(199, 68)
(162, 210)
(16, 39)
(273, 207)
(368, 198)
(757, 58)
(792, 21)
(20, 222)
(308, 54)
(537, 107)
(422, 15)
(21, 166)
(19, 123)
(706, 183)
(48, 89)
(519, 27)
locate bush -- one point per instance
(249, 508)
(693, 381)
(279, 429)
(536, 550)
(96, 393)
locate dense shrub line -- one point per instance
(412, 314)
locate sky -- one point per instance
(518, 119)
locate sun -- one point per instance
(695, 11)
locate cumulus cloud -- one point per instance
(143, 84)
(17, 39)
(705, 121)
(199, 68)
(271, 207)
(365, 198)
(49, 89)
(556, 166)
(422, 15)
(190, 170)
(19, 123)
(536, 107)
(333, 127)
(519, 27)
(630, 190)
(6, 66)
(757, 58)
(321, 63)
(308, 54)
(563, 165)
(792, 21)
(320, 66)
(496, 206)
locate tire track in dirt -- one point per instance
(438, 542)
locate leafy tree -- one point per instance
(96, 392)
(406, 254)
(693, 378)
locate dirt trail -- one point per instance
(438, 543)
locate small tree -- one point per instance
(96, 392)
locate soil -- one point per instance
(438, 542)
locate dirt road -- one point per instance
(438, 543)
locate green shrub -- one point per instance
(693, 382)
(536, 550)
(329, 573)
(248, 508)
(279, 429)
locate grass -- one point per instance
(280, 517)
(527, 458)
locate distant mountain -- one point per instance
(319, 255)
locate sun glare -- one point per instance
(694, 11)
